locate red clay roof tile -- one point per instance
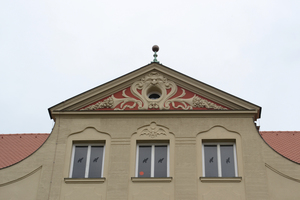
(286, 143)
(16, 147)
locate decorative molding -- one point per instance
(87, 129)
(203, 103)
(153, 131)
(185, 141)
(21, 178)
(282, 174)
(160, 113)
(152, 179)
(120, 141)
(154, 82)
(220, 179)
(107, 103)
(84, 180)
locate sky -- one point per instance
(53, 50)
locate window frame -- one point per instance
(152, 158)
(218, 144)
(87, 166)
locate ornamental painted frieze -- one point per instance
(154, 92)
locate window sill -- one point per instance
(152, 179)
(84, 180)
(221, 179)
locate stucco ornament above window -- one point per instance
(154, 92)
(153, 131)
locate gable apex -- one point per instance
(154, 87)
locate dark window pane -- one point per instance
(160, 161)
(96, 162)
(79, 162)
(227, 161)
(211, 160)
(144, 165)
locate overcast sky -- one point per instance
(53, 50)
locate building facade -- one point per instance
(153, 134)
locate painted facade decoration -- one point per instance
(166, 96)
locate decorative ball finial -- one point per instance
(155, 49)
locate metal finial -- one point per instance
(155, 49)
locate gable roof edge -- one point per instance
(125, 81)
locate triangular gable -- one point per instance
(154, 92)
(176, 91)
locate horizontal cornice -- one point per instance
(171, 113)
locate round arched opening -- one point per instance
(154, 93)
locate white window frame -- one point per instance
(219, 157)
(152, 157)
(87, 167)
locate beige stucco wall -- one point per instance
(25, 187)
(282, 186)
(121, 133)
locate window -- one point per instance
(219, 160)
(152, 160)
(87, 161)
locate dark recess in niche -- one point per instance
(154, 96)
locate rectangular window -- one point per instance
(219, 160)
(87, 161)
(152, 160)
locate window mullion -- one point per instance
(235, 160)
(102, 167)
(152, 160)
(219, 161)
(168, 161)
(72, 161)
(203, 159)
(87, 165)
(137, 161)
